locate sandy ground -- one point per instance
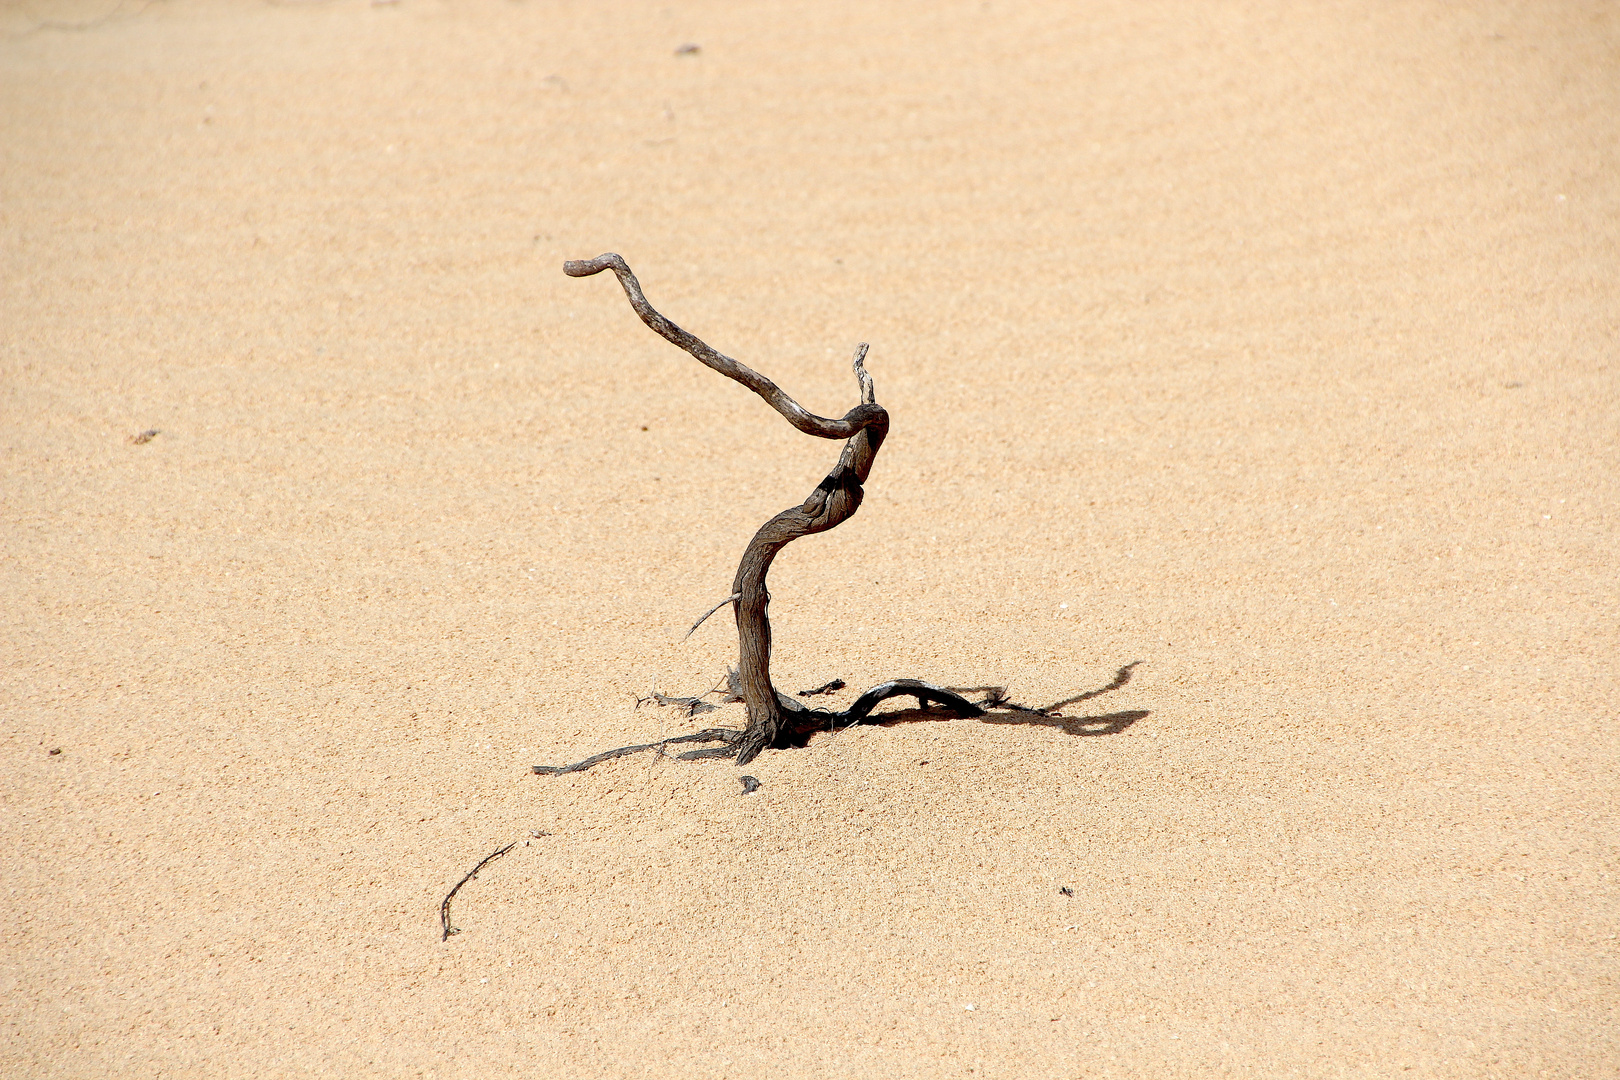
(1273, 348)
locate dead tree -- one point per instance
(774, 719)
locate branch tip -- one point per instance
(587, 267)
(705, 616)
(868, 393)
(857, 420)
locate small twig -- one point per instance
(733, 692)
(711, 611)
(868, 392)
(444, 908)
(691, 706)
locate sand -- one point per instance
(1270, 348)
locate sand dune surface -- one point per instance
(1265, 353)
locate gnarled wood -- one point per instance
(802, 723)
(833, 501)
(796, 414)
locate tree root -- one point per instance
(800, 723)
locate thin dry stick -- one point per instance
(853, 422)
(444, 908)
(705, 616)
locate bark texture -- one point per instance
(775, 719)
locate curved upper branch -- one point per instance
(806, 421)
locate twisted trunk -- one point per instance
(833, 502)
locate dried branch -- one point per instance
(690, 706)
(444, 908)
(705, 616)
(925, 693)
(796, 414)
(833, 501)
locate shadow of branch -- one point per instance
(1104, 724)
